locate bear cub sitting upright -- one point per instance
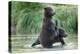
(49, 34)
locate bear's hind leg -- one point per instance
(36, 43)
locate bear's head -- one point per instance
(62, 33)
(48, 11)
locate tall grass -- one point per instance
(67, 15)
(27, 17)
(29, 23)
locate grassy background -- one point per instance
(26, 21)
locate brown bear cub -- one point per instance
(49, 34)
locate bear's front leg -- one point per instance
(62, 41)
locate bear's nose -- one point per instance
(65, 35)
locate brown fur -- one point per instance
(47, 38)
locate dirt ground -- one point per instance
(23, 44)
